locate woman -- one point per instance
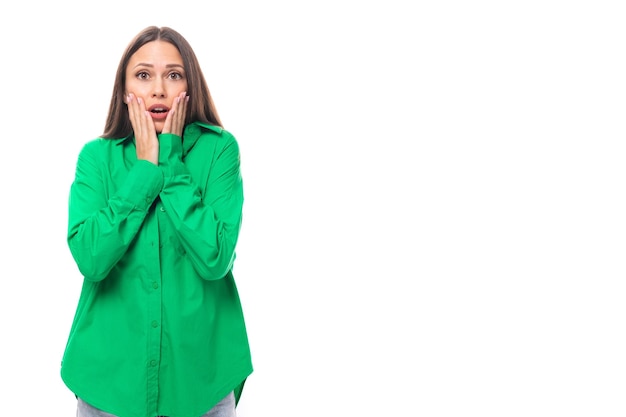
(154, 216)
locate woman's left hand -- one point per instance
(175, 120)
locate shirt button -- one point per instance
(155, 323)
(162, 208)
(153, 362)
(155, 285)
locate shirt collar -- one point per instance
(191, 134)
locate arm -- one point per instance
(103, 221)
(207, 222)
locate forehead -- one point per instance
(155, 53)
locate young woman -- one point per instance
(154, 215)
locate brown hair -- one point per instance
(200, 108)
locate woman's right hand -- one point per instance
(146, 140)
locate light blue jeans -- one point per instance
(225, 408)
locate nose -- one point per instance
(158, 89)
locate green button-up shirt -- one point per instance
(159, 328)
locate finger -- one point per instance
(167, 126)
(172, 124)
(145, 120)
(176, 124)
(134, 113)
(181, 111)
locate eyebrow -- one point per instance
(144, 64)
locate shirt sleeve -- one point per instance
(103, 222)
(206, 217)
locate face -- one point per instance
(155, 73)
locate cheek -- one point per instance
(175, 89)
(135, 88)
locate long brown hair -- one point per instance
(200, 108)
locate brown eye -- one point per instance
(175, 76)
(143, 75)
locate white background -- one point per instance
(435, 214)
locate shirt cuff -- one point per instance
(143, 184)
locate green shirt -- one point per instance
(159, 328)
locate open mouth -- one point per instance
(158, 111)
